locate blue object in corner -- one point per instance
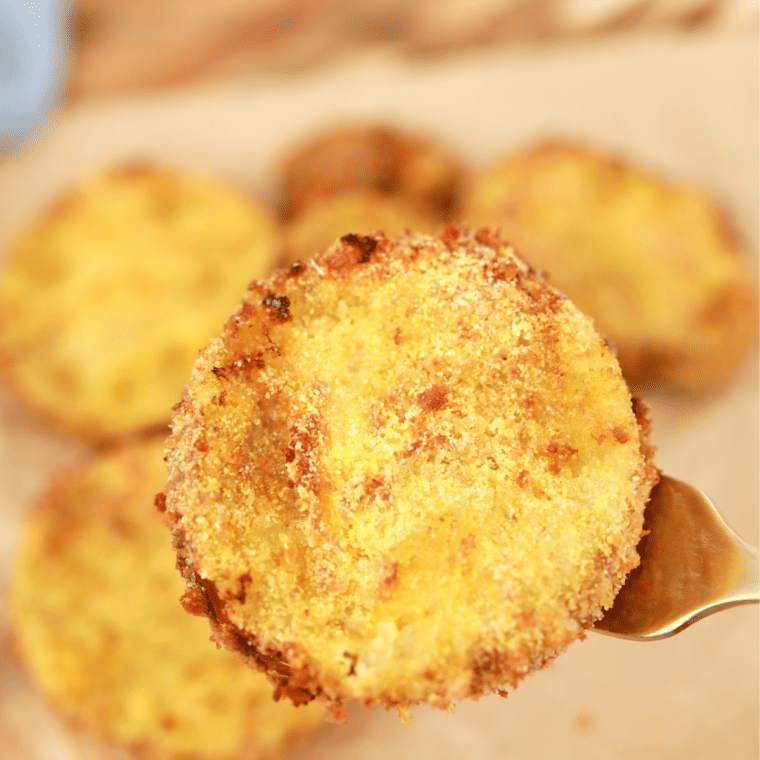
(32, 53)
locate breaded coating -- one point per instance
(94, 605)
(416, 169)
(106, 299)
(408, 471)
(655, 264)
(358, 212)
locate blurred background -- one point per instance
(230, 85)
(56, 55)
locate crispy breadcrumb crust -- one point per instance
(359, 212)
(422, 173)
(95, 614)
(107, 296)
(408, 471)
(657, 265)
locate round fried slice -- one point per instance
(106, 299)
(95, 610)
(655, 264)
(418, 170)
(358, 212)
(408, 471)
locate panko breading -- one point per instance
(95, 609)
(106, 299)
(655, 264)
(358, 212)
(408, 471)
(419, 171)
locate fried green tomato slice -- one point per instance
(106, 298)
(358, 212)
(95, 613)
(416, 169)
(408, 471)
(656, 264)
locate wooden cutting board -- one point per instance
(686, 107)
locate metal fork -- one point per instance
(692, 564)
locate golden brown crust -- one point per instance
(358, 212)
(106, 298)
(366, 461)
(415, 169)
(96, 619)
(658, 266)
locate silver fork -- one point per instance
(692, 564)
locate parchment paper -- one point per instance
(684, 107)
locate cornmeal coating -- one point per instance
(657, 265)
(95, 610)
(358, 212)
(408, 471)
(423, 173)
(107, 297)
